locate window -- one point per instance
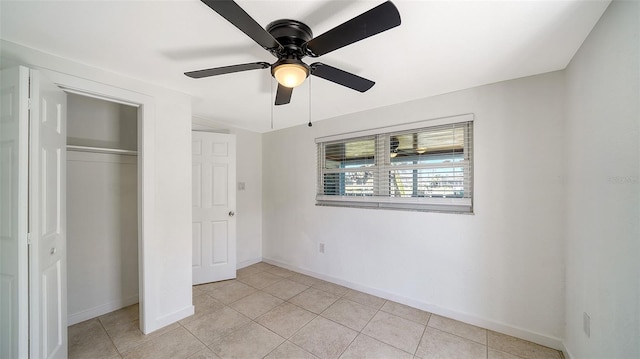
(419, 166)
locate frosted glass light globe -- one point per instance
(290, 75)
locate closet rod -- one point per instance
(115, 151)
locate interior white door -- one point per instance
(47, 219)
(214, 201)
(14, 137)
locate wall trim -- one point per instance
(545, 340)
(99, 310)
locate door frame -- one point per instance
(146, 171)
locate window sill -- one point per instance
(398, 206)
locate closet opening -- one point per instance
(103, 222)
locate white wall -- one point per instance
(102, 234)
(501, 268)
(249, 200)
(98, 123)
(167, 252)
(603, 190)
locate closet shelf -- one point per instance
(115, 151)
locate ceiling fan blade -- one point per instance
(381, 18)
(283, 96)
(240, 19)
(341, 77)
(227, 70)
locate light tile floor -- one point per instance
(270, 312)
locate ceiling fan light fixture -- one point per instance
(291, 40)
(290, 74)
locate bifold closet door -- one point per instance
(47, 219)
(33, 232)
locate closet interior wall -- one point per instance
(102, 207)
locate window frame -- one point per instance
(382, 166)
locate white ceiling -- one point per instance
(441, 46)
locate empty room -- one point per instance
(320, 179)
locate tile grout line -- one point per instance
(269, 329)
(195, 336)
(425, 328)
(486, 337)
(279, 280)
(109, 336)
(348, 345)
(360, 331)
(320, 315)
(424, 332)
(285, 302)
(458, 336)
(299, 329)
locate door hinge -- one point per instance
(29, 104)
(28, 239)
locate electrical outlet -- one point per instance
(241, 186)
(586, 324)
(321, 248)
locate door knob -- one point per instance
(232, 213)
(53, 251)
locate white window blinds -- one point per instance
(421, 166)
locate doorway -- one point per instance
(146, 175)
(102, 207)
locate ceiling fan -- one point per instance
(291, 40)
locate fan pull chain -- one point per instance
(271, 105)
(309, 124)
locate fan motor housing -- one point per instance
(289, 62)
(291, 34)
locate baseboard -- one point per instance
(97, 311)
(170, 318)
(248, 262)
(551, 342)
(566, 352)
